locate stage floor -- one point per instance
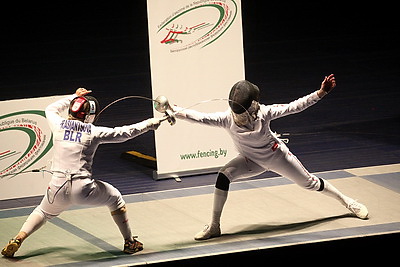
(259, 214)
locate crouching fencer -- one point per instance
(75, 142)
(248, 123)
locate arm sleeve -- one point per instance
(121, 134)
(53, 111)
(280, 110)
(217, 119)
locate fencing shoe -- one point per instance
(208, 232)
(134, 246)
(12, 247)
(358, 209)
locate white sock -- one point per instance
(34, 221)
(220, 197)
(122, 221)
(332, 191)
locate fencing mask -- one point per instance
(84, 108)
(243, 100)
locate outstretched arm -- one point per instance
(124, 133)
(296, 106)
(218, 119)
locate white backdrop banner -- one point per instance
(25, 144)
(196, 53)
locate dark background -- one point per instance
(54, 48)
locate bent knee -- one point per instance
(46, 216)
(117, 203)
(222, 182)
(118, 211)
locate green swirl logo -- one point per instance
(199, 23)
(24, 141)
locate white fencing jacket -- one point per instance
(256, 144)
(75, 142)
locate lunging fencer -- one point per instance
(75, 142)
(248, 123)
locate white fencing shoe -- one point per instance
(208, 232)
(358, 209)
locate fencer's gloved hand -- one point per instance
(176, 108)
(327, 85)
(82, 92)
(154, 123)
(179, 111)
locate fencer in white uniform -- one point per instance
(248, 124)
(75, 141)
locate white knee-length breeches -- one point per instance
(80, 191)
(282, 162)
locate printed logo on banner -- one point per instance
(33, 140)
(197, 24)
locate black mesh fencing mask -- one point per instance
(242, 95)
(243, 100)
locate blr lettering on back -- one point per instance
(72, 136)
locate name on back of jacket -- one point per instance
(73, 130)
